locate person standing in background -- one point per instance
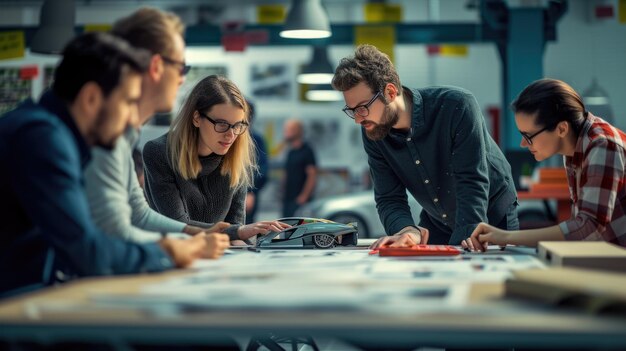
(300, 169)
(261, 175)
(116, 199)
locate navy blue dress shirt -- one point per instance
(46, 232)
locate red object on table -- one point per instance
(420, 250)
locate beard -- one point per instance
(99, 126)
(382, 129)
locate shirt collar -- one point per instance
(417, 113)
(577, 159)
(58, 107)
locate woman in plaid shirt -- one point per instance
(553, 120)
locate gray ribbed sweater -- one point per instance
(206, 199)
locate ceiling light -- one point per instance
(306, 20)
(56, 27)
(596, 101)
(319, 70)
(323, 92)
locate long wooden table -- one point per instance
(489, 321)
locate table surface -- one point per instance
(486, 320)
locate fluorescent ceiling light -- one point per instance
(315, 78)
(306, 20)
(319, 70)
(596, 100)
(323, 92)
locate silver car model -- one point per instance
(360, 207)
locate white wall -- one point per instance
(588, 49)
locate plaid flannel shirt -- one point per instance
(596, 180)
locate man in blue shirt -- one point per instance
(46, 232)
(432, 142)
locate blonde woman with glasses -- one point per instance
(199, 172)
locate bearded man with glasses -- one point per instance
(431, 142)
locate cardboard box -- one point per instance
(583, 254)
(591, 291)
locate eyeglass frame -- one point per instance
(366, 106)
(529, 138)
(184, 67)
(230, 126)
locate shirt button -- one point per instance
(60, 275)
(436, 200)
(165, 262)
(444, 215)
(417, 162)
(408, 139)
(427, 181)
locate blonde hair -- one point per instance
(182, 141)
(151, 29)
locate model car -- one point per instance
(360, 208)
(310, 233)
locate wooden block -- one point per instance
(583, 254)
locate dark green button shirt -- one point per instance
(447, 161)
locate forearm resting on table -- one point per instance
(532, 237)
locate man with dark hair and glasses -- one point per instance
(46, 233)
(431, 142)
(116, 199)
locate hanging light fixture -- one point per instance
(323, 92)
(56, 27)
(596, 101)
(306, 20)
(319, 70)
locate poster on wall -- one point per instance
(271, 81)
(13, 89)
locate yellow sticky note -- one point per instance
(453, 50)
(11, 45)
(270, 14)
(97, 28)
(380, 12)
(382, 37)
(621, 11)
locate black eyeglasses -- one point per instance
(223, 127)
(361, 110)
(183, 67)
(529, 138)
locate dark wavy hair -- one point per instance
(368, 65)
